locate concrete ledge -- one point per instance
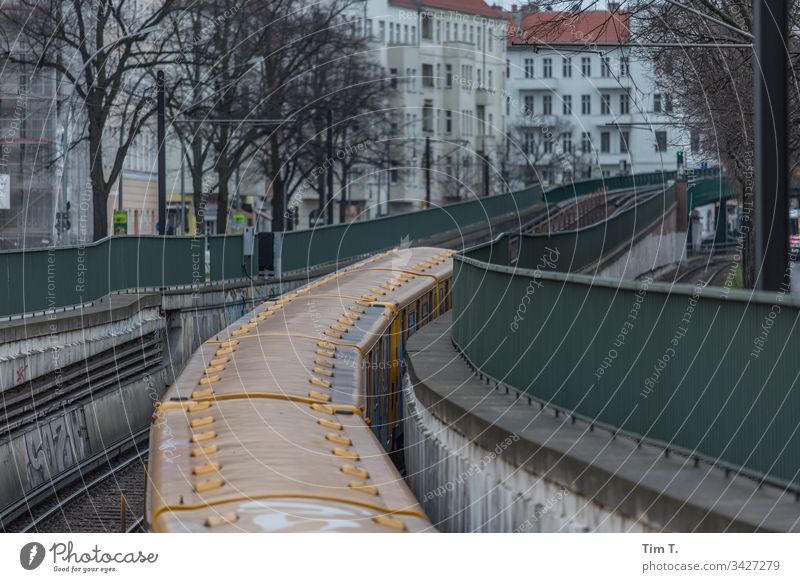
(614, 475)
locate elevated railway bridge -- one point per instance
(543, 283)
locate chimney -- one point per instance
(530, 8)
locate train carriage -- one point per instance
(283, 421)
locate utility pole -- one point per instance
(485, 175)
(162, 154)
(329, 189)
(427, 172)
(771, 155)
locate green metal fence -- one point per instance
(42, 279)
(706, 191)
(711, 371)
(328, 244)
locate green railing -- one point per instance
(330, 244)
(42, 279)
(585, 187)
(702, 192)
(709, 371)
(302, 249)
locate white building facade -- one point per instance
(445, 63)
(581, 104)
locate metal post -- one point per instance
(162, 154)
(771, 155)
(329, 192)
(388, 176)
(485, 174)
(427, 172)
(183, 195)
(123, 511)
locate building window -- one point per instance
(668, 103)
(447, 30)
(566, 142)
(438, 74)
(661, 141)
(529, 143)
(427, 75)
(657, 103)
(548, 146)
(448, 75)
(586, 142)
(405, 34)
(448, 122)
(624, 67)
(490, 81)
(528, 105)
(566, 65)
(393, 78)
(547, 105)
(586, 66)
(567, 102)
(586, 104)
(438, 31)
(624, 141)
(471, 34)
(624, 104)
(427, 116)
(381, 30)
(695, 141)
(547, 68)
(605, 104)
(529, 68)
(605, 142)
(427, 26)
(605, 67)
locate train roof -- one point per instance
(261, 431)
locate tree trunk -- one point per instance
(99, 186)
(222, 200)
(278, 187)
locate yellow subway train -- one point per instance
(283, 421)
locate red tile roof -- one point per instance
(477, 7)
(590, 27)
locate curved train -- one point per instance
(283, 421)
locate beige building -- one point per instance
(446, 63)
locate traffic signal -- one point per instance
(680, 159)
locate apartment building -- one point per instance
(581, 103)
(445, 64)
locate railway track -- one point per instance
(705, 274)
(89, 498)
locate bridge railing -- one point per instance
(44, 279)
(329, 244)
(707, 371)
(576, 250)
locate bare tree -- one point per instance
(104, 50)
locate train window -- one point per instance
(425, 309)
(412, 321)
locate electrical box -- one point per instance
(247, 241)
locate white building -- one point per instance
(580, 103)
(446, 63)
